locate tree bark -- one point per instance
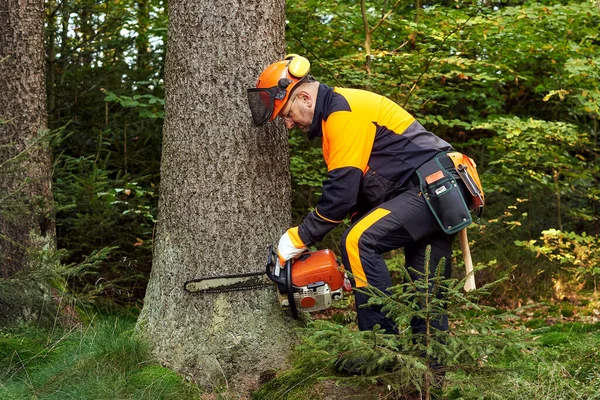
(26, 220)
(224, 195)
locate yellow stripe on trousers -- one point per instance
(352, 244)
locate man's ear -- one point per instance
(306, 98)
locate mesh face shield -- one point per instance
(262, 102)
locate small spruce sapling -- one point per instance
(406, 362)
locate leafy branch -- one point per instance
(433, 55)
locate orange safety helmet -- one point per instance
(274, 86)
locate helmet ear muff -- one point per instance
(299, 66)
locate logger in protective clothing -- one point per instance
(397, 181)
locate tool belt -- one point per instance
(439, 179)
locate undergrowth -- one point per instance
(525, 353)
(103, 360)
(550, 363)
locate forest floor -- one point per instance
(554, 354)
(557, 358)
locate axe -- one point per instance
(464, 246)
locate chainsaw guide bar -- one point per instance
(318, 280)
(228, 283)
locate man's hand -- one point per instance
(290, 246)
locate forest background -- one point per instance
(512, 84)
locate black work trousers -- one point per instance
(404, 221)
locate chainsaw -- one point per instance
(312, 282)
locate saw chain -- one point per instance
(228, 283)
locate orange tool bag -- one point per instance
(467, 170)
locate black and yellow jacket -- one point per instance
(372, 147)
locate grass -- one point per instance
(101, 361)
(552, 362)
(105, 360)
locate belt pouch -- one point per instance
(467, 170)
(443, 196)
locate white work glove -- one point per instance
(290, 246)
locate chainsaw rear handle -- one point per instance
(283, 282)
(271, 263)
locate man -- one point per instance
(384, 169)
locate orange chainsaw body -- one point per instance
(317, 281)
(312, 282)
(318, 266)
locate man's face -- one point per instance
(298, 112)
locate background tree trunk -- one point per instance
(141, 41)
(224, 195)
(26, 220)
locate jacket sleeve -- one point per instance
(347, 145)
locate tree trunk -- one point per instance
(413, 36)
(25, 182)
(87, 32)
(363, 10)
(26, 220)
(51, 19)
(224, 195)
(141, 41)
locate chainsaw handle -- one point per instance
(270, 267)
(290, 289)
(284, 281)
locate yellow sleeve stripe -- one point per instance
(326, 219)
(295, 236)
(352, 241)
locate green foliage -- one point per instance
(149, 105)
(102, 361)
(578, 255)
(43, 288)
(105, 86)
(96, 211)
(580, 251)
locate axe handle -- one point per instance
(464, 246)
